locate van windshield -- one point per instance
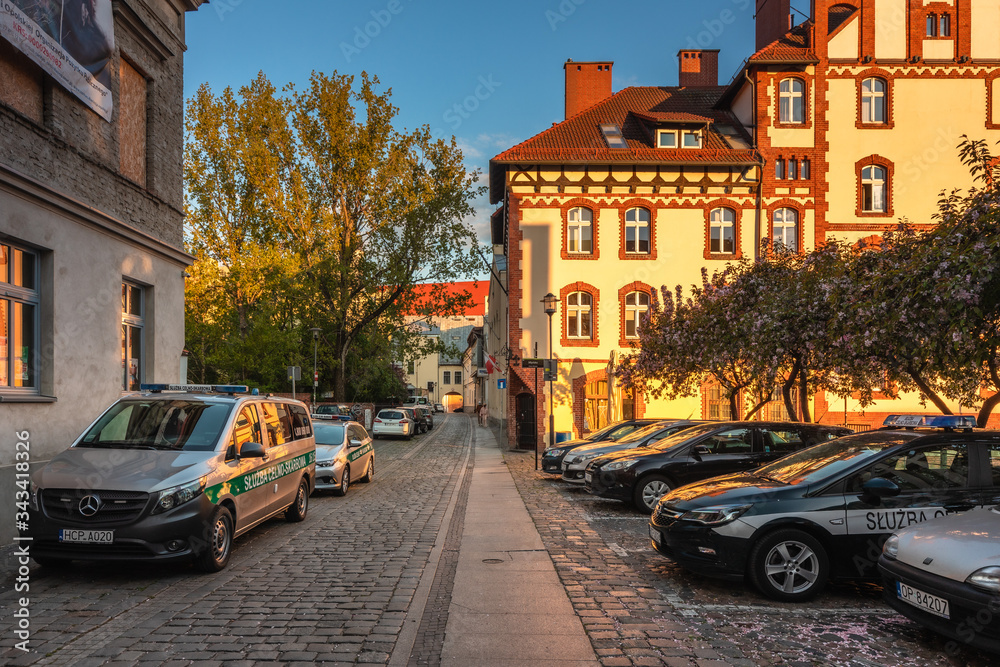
(174, 425)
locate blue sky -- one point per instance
(439, 54)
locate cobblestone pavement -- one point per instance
(641, 609)
(343, 587)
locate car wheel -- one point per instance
(370, 471)
(789, 565)
(409, 436)
(220, 542)
(648, 491)
(297, 510)
(345, 482)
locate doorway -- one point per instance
(527, 432)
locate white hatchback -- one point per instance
(393, 422)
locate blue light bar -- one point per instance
(930, 421)
(154, 387)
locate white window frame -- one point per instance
(785, 229)
(579, 309)
(724, 220)
(635, 309)
(661, 134)
(874, 189)
(133, 324)
(869, 96)
(637, 221)
(579, 229)
(791, 101)
(12, 295)
(691, 133)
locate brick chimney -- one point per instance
(698, 67)
(586, 85)
(774, 19)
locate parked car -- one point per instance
(438, 407)
(416, 400)
(575, 462)
(945, 574)
(425, 419)
(173, 473)
(716, 448)
(344, 454)
(332, 409)
(395, 422)
(825, 512)
(552, 457)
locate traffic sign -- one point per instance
(502, 383)
(533, 363)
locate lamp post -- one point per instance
(315, 332)
(550, 300)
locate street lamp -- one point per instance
(550, 300)
(315, 332)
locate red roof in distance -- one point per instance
(478, 289)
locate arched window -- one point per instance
(636, 307)
(792, 101)
(784, 232)
(873, 99)
(580, 230)
(874, 190)
(722, 231)
(637, 231)
(578, 315)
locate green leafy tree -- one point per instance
(320, 213)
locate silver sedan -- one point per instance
(344, 455)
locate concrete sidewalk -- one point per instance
(508, 606)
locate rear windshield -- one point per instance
(329, 434)
(186, 425)
(822, 461)
(390, 415)
(642, 433)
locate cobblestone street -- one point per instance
(367, 579)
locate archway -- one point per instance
(452, 401)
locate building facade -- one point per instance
(91, 235)
(446, 377)
(834, 128)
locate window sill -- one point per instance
(28, 398)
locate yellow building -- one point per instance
(834, 128)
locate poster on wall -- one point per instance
(72, 40)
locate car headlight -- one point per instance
(582, 458)
(891, 547)
(717, 515)
(33, 493)
(325, 463)
(553, 452)
(987, 579)
(178, 495)
(620, 465)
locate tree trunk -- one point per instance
(786, 392)
(926, 390)
(804, 394)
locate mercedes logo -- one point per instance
(89, 505)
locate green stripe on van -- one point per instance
(257, 478)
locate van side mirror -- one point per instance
(880, 487)
(252, 450)
(355, 443)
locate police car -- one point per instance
(825, 511)
(173, 473)
(344, 454)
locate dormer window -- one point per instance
(613, 135)
(691, 139)
(666, 138)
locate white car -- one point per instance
(945, 574)
(344, 454)
(393, 422)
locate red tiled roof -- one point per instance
(793, 46)
(478, 289)
(579, 138)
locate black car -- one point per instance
(552, 457)
(825, 511)
(575, 462)
(697, 453)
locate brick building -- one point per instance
(91, 236)
(834, 128)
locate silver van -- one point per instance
(175, 472)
